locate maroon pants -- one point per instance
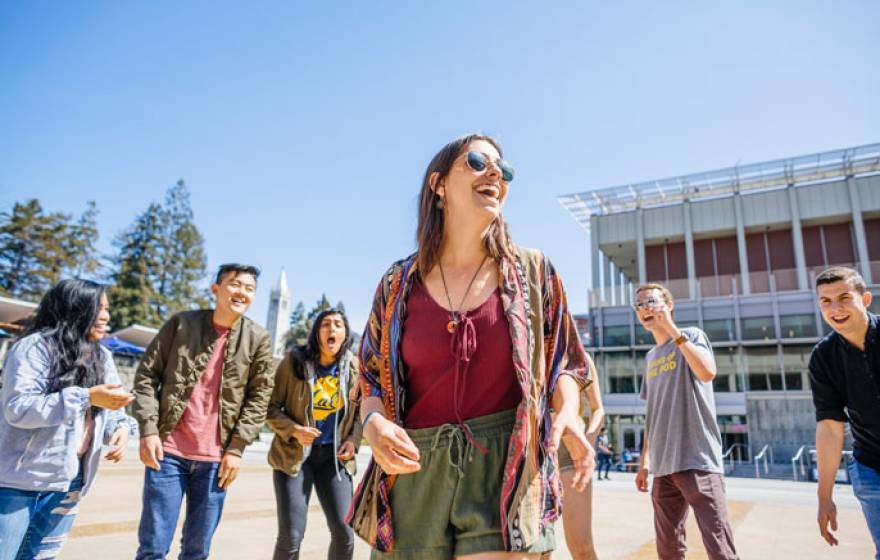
(703, 491)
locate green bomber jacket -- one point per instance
(176, 359)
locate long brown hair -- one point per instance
(429, 233)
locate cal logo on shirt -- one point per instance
(325, 397)
(661, 365)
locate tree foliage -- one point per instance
(38, 248)
(160, 265)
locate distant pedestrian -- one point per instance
(682, 443)
(62, 400)
(317, 433)
(845, 381)
(604, 453)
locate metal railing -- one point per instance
(798, 461)
(728, 456)
(763, 456)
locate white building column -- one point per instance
(864, 264)
(640, 245)
(595, 262)
(607, 290)
(744, 280)
(689, 250)
(797, 238)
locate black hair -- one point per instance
(311, 350)
(237, 268)
(64, 317)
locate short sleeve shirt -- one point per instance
(682, 429)
(845, 382)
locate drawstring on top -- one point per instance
(463, 345)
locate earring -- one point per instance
(439, 203)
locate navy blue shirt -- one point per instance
(846, 387)
(326, 401)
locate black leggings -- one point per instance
(292, 495)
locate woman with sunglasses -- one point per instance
(317, 434)
(470, 369)
(61, 400)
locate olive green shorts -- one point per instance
(451, 507)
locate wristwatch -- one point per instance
(681, 339)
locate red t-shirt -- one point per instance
(488, 382)
(197, 434)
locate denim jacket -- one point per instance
(41, 432)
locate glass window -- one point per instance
(797, 326)
(620, 370)
(644, 336)
(720, 329)
(758, 328)
(727, 378)
(641, 365)
(795, 360)
(762, 365)
(616, 336)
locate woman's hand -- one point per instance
(392, 448)
(305, 435)
(346, 451)
(118, 444)
(566, 427)
(108, 396)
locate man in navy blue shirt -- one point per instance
(845, 380)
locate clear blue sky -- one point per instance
(303, 129)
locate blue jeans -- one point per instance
(866, 487)
(604, 461)
(35, 524)
(163, 494)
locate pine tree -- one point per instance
(160, 263)
(299, 328)
(184, 265)
(136, 266)
(32, 250)
(80, 244)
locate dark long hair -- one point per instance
(311, 350)
(429, 233)
(65, 316)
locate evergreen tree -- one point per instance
(160, 267)
(32, 250)
(80, 244)
(184, 265)
(136, 267)
(321, 305)
(299, 328)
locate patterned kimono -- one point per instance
(545, 346)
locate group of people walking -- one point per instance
(471, 386)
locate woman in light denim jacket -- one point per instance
(61, 400)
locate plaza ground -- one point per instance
(771, 519)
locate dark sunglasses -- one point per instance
(478, 161)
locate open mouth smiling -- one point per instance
(489, 190)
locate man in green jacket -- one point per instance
(201, 392)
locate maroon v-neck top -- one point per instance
(487, 381)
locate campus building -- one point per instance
(739, 248)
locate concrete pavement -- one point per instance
(771, 519)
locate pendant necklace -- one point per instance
(452, 325)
